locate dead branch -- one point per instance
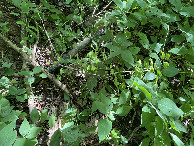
(34, 64)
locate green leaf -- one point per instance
(169, 108)
(52, 121)
(71, 134)
(190, 58)
(127, 56)
(149, 76)
(177, 38)
(124, 97)
(89, 2)
(13, 90)
(176, 3)
(16, 14)
(9, 72)
(25, 142)
(143, 90)
(4, 81)
(142, 4)
(8, 135)
(20, 22)
(104, 105)
(7, 65)
(37, 69)
(177, 140)
(56, 138)
(17, 3)
(24, 128)
(182, 50)
(144, 40)
(34, 115)
(123, 110)
(25, 73)
(104, 128)
(179, 126)
(43, 75)
(27, 131)
(170, 71)
(44, 115)
(119, 3)
(128, 5)
(34, 131)
(30, 80)
(91, 82)
(187, 11)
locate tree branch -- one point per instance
(33, 63)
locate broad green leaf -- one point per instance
(8, 135)
(147, 117)
(177, 38)
(170, 71)
(124, 97)
(34, 131)
(187, 11)
(91, 82)
(145, 142)
(123, 110)
(154, 55)
(52, 121)
(25, 142)
(177, 140)
(7, 65)
(114, 50)
(13, 90)
(177, 4)
(25, 73)
(43, 75)
(71, 134)
(134, 50)
(144, 40)
(9, 72)
(128, 5)
(104, 105)
(182, 50)
(104, 128)
(24, 128)
(179, 126)
(169, 108)
(43, 115)
(34, 115)
(17, 3)
(190, 58)
(37, 69)
(89, 2)
(56, 138)
(4, 81)
(30, 81)
(127, 56)
(119, 3)
(143, 90)
(142, 4)
(149, 76)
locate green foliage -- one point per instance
(138, 74)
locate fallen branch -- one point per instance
(76, 50)
(34, 64)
